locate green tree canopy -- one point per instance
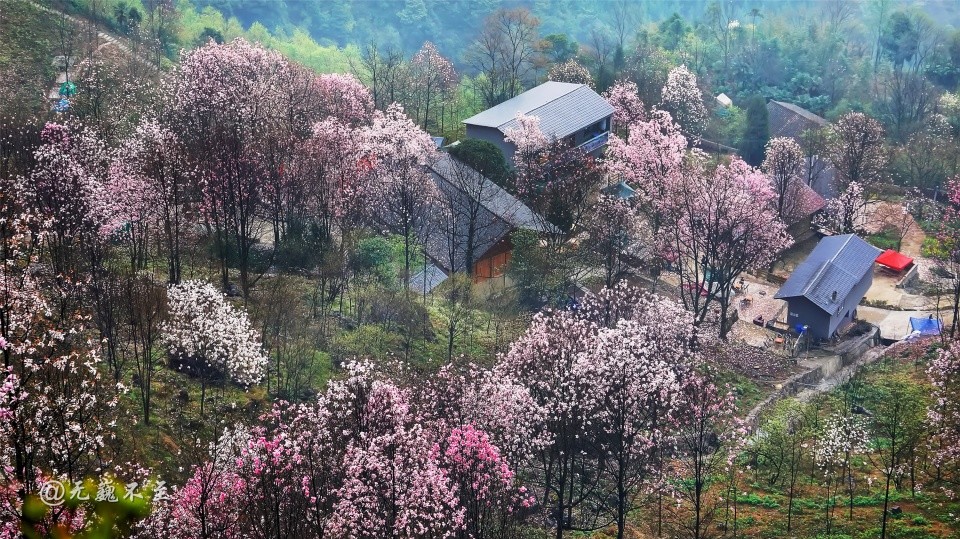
(485, 158)
(756, 132)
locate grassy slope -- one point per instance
(927, 514)
(27, 47)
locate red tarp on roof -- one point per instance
(894, 260)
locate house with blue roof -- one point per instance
(825, 289)
(568, 112)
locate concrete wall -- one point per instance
(492, 135)
(911, 277)
(839, 368)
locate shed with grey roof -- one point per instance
(825, 289)
(473, 226)
(566, 111)
(792, 121)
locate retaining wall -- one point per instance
(819, 369)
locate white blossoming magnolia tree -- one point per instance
(211, 339)
(682, 98)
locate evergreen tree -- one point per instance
(757, 131)
(485, 158)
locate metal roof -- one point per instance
(563, 108)
(428, 278)
(835, 265)
(495, 199)
(499, 214)
(619, 190)
(789, 120)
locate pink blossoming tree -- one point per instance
(784, 164)
(605, 376)
(721, 224)
(400, 151)
(628, 108)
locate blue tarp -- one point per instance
(925, 326)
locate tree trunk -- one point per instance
(203, 394)
(886, 503)
(956, 306)
(621, 505)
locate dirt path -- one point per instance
(104, 40)
(884, 214)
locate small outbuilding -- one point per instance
(825, 289)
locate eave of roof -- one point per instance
(563, 108)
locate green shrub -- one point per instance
(885, 239)
(930, 247)
(765, 501)
(485, 158)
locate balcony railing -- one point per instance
(594, 143)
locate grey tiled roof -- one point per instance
(499, 214)
(428, 278)
(789, 120)
(496, 199)
(836, 264)
(563, 108)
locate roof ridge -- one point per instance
(831, 262)
(531, 111)
(846, 243)
(815, 278)
(802, 112)
(493, 190)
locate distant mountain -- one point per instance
(450, 24)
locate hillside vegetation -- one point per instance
(212, 246)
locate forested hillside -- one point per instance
(407, 24)
(246, 292)
(890, 59)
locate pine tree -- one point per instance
(757, 131)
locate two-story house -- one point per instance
(570, 112)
